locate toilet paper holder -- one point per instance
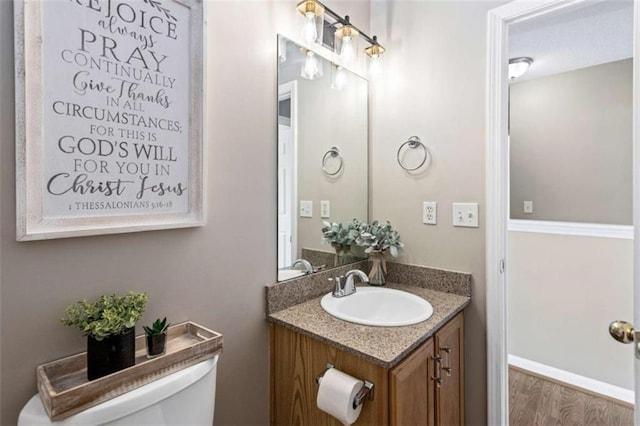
(365, 393)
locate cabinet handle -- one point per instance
(447, 364)
(437, 378)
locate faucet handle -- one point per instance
(337, 286)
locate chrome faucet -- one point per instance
(307, 266)
(344, 286)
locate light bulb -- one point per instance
(339, 79)
(309, 32)
(310, 68)
(348, 51)
(375, 67)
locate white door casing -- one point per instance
(497, 184)
(287, 180)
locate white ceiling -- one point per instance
(594, 34)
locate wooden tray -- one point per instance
(65, 390)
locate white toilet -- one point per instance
(184, 398)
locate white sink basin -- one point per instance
(382, 307)
(287, 274)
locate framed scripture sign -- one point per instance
(109, 116)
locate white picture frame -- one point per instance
(109, 116)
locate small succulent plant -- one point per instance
(158, 327)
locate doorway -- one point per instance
(550, 295)
(287, 183)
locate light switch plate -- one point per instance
(325, 209)
(527, 207)
(465, 214)
(429, 212)
(306, 208)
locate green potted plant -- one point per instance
(109, 325)
(378, 239)
(341, 238)
(156, 337)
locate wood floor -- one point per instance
(536, 401)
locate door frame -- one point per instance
(497, 194)
(289, 90)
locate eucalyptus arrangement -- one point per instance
(378, 239)
(156, 337)
(342, 237)
(109, 325)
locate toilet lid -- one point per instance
(34, 413)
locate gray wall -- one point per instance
(542, 278)
(428, 90)
(326, 118)
(434, 87)
(214, 275)
(571, 145)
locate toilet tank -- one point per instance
(186, 397)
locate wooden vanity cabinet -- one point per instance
(295, 362)
(412, 390)
(425, 388)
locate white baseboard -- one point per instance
(595, 386)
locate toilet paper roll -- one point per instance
(336, 394)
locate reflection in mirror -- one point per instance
(322, 157)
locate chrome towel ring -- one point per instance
(413, 142)
(332, 153)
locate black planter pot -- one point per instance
(111, 354)
(156, 344)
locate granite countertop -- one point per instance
(384, 346)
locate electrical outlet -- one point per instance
(429, 212)
(465, 214)
(325, 209)
(527, 207)
(306, 208)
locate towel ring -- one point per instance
(413, 142)
(332, 153)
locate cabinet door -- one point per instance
(411, 389)
(296, 360)
(449, 346)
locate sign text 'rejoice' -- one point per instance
(116, 107)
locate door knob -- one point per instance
(622, 331)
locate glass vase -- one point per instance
(378, 269)
(337, 259)
(346, 256)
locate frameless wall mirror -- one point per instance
(322, 156)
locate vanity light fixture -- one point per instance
(345, 37)
(313, 12)
(346, 42)
(374, 52)
(518, 66)
(311, 68)
(338, 78)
